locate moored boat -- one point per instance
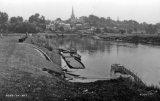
(67, 51)
(73, 60)
(72, 53)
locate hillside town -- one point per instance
(94, 24)
(72, 24)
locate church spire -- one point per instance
(73, 18)
(72, 15)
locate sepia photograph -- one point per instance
(79, 50)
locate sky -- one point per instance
(139, 10)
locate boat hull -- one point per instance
(71, 61)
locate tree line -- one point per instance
(37, 23)
(126, 26)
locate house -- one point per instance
(79, 26)
(67, 27)
(51, 27)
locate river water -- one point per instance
(98, 55)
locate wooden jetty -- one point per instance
(117, 68)
(71, 61)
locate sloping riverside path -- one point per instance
(22, 74)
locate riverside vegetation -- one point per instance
(133, 38)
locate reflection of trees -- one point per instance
(91, 46)
(108, 48)
(83, 44)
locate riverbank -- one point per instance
(118, 90)
(133, 38)
(26, 74)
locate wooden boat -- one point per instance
(68, 51)
(72, 52)
(76, 56)
(71, 61)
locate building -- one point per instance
(66, 27)
(51, 27)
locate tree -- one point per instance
(39, 21)
(129, 31)
(42, 20)
(58, 20)
(3, 21)
(34, 18)
(85, 19)
(48, 21)
(151, 29)
(3, 17)
(102, 22)
(105, 30)
(98, 30)
(93, 20)
(16, 20)
(61, 29)
(25, 27)
(13, 20)
(122, 31)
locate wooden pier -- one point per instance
(117, 68)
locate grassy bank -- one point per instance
(22, 73)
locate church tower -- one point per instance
(73, 18)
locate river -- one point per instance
(98, 55)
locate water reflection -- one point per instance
(98, 55)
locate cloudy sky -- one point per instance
(139, 10)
